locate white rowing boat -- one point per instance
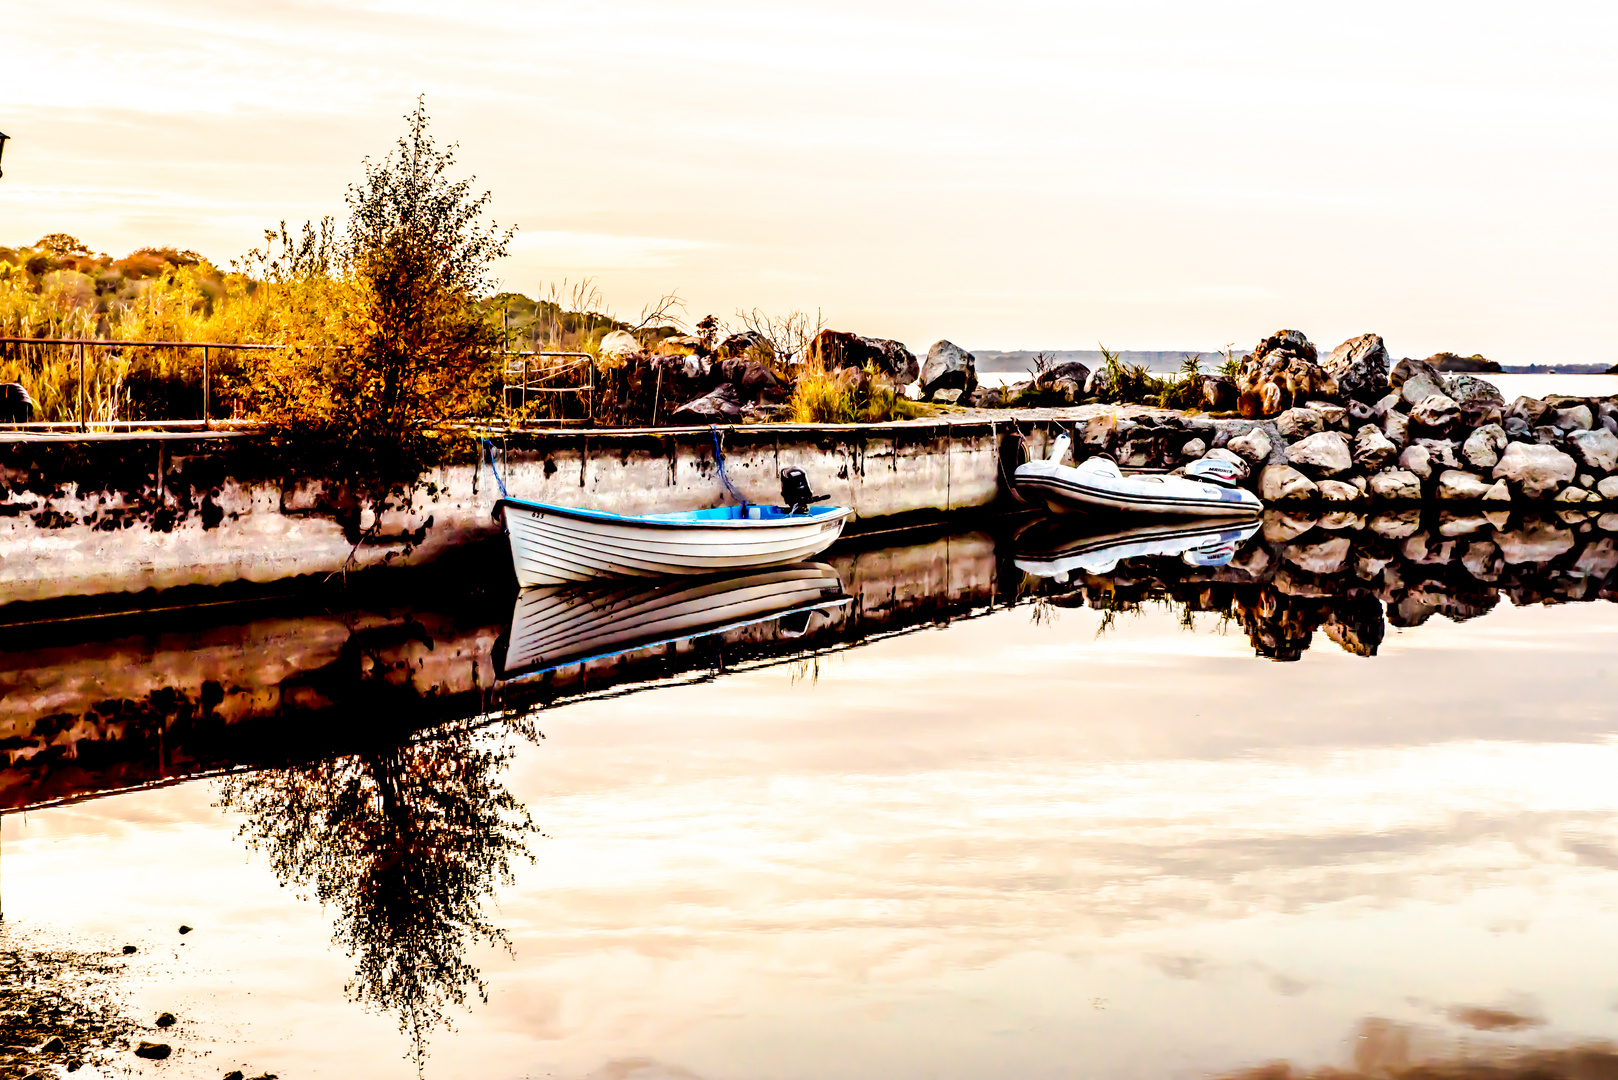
(1054, 549)
(554, 545)
(560, 625)
(1097, 485)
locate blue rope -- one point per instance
(488, 452)
(719, 456)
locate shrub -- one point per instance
(850, 396)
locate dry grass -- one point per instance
(844, 397)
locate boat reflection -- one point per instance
(1055, 548)
(553, 627)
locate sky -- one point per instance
(1156, 175)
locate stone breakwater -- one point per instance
(1429, 438)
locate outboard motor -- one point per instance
(796, 495)
(1214, 471)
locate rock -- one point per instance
(1283, 483)
(1255, 446)
(947, 397)
(1547, 435)
(1218, 394)
(1396, 485)
(1452, 524)
(1534, 542)
(832, 350)
(1099, 430)
(1498, 493)
(1223, 454)
(1070, 389)
(1360, 366)
(1193, 449)
(753, 381)
(1322, 557)
(1587, 480)
(1360, 414)
(1407, 368)
(1577, 418)
(1280, 373)
(1608, 488)
(1417, 460)
(1534, 470)
(16, 407)
(1338, 520)
(1297, 422)
(948, 367)
(1597, 449)
(1337, 491)
(1418, 388)
(128, 949)
(1598, 559)
(1480, 401)
(987, 397)
(1396, 426)
(165, 1020)
(235, 1074)
(1397, 525)
(1573, 494)
(722, 405)
(1483, 447)
(1435, 412)
(154, 1051)
(53, 1045)
(1330, 414)
(1387, 403)
(1441, 453)
(747, 345)
(1280, 526)
(1099, 384)
(1372, 449)
(618, 345)
(1325, 453)
(1455, 485)
(1528, 409)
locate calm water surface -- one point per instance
(1066, 825)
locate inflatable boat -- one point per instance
(1208, 488)
(1055, 548)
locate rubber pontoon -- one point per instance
(1097, 485)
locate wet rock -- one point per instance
(1360, 366)
(1323, 557)
(1436, 412)
(948, 367)
(1517, 428)
(1479, 400)
(1482, 560)
(1324, 453)
(1455, 485)
(1396, 485)
(1372, 449)
(1396, 426)
(1597, 449)
(1534, 542)
(1484, 446)
(988, 397)
(1280, 526)
(1337, 520)
(1577, 418)
(153, 1051)
(1337, 491)
(1255, 446)
(1417, 460)
(1597, 559)
(1299, 422)
(720, 406)
(1534, 470)
(1452, 524)
(165, 1020)
(1283, 483)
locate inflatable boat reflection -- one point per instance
(1056, 548)
(553, 627)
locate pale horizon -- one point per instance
(1038, 176)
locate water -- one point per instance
(1511, 385)
(1332, 792)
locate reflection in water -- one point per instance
(1054, 548)
(403, 841)
(57, 1008)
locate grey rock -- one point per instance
(722, 405)
(1528, 408)
(1484, 446)
(948, 367)
(1396, 426)
(1396, 485)
(1435, 411)
(1407, 368)
(1443, 453)
(1549, 435)
(1193, 449)
(1387, 403)
(1577, 418)
(1419, 387)
(1360, 414)
(948, 397)
(1360, 366)
(1255, 446)
(1608, 488)
(1283, 483)
(1457, 485)
(1597, 449)
(1480, 401)
(1416, 460)
(1372, 449)
(1324, 453)
(1330, 415)
(1534, 470)
(1297, 422)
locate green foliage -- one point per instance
(1132, 384)
(847, 396)
(1184, 390)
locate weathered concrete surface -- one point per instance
(85, 716)
(90, 519)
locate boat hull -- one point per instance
(559, 625)
(553, 545)
(1064, 489)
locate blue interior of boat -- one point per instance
(712, 514)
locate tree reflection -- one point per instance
(403, 841)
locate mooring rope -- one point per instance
(719, 456)
(488, 452)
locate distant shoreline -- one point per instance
(1165, 360)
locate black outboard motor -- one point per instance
(16, 407)
(795, 493)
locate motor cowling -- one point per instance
(1215, 471)
(796, 495)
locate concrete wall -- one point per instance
(98, 518)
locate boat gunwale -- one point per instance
(815, 516)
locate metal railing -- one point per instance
(522, 371)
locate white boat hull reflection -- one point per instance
(552, 627)
(1056, 549)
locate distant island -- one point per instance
(1161, 360)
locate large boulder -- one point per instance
(1575, 418)
(1072, 370)
(722, 405)
(1255, 446)
(1372, 449)
(1407, 368)
(1297, 422)
(618, 344)
(753, 381)
(1528, 409)
(1597, 449)
(1482, 448)
(1479, 400)
(1324, 453)
(1533, 469)
(749, 344)
(948, 367)
(1283, 483)
(1280, 372)
(1360, 366)
(1417, 461)
(832, 350)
